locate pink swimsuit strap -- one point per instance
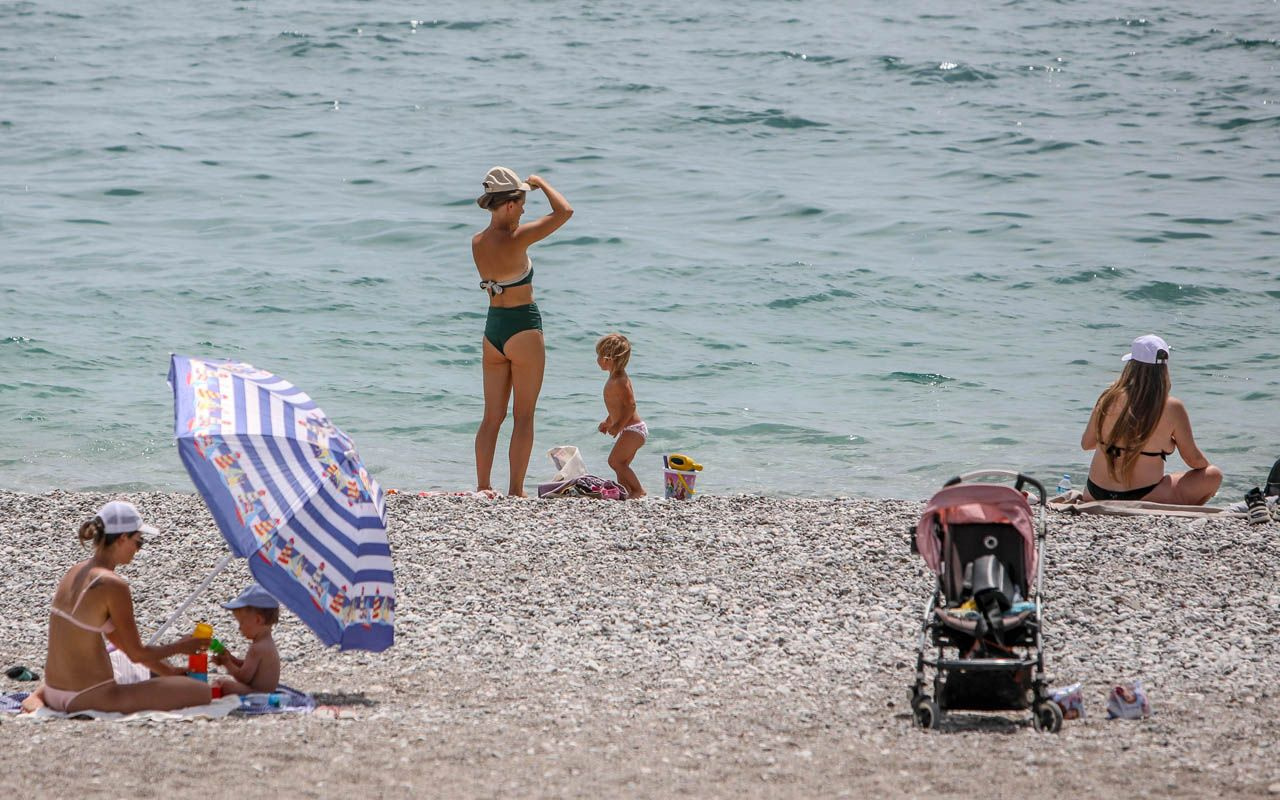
(106, 627)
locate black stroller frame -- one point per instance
(972, 678)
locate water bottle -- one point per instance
(1064, 485)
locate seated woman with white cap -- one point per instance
(1135, 426)
(92, 605)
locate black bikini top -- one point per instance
(498, 287)
(1115, 451)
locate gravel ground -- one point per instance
(730, 646)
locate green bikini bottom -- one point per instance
(503, 323)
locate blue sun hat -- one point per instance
(253, 597)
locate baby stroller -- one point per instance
(983, 617)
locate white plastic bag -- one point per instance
(568, 463)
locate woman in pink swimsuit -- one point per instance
(92, 605)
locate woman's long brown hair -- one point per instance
(1144, 389)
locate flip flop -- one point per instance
(20, 673)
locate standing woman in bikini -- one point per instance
(513, 348)
(91, 605)
(1135, 426)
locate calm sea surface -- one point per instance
(858, 246)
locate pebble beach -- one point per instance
(722, 647)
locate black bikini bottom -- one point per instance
(1098, 493)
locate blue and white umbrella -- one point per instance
(290, 494)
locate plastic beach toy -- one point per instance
(679, 475)
(683, 463)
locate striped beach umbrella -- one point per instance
(290, 494)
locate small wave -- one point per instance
(1204, 221)
(772, 117)
(935, 72)
(1167, 292)
(1087, 275)
(122, 192)
(820, 297)
(1251, 396)
(922, 378)
(16, 340)
(87, 221)
(1240, 122)
(809, 58)
(367, 280)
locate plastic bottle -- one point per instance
(1064, 485)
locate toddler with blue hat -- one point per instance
(256, 611)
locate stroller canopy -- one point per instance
(968, 503)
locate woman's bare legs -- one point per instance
(528, 357)
(1191, 488)
(157, 694)
(624, 450)
(497, 393)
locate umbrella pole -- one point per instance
(187, 603)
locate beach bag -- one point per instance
(568, 461)
(1128, 702)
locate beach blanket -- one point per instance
(1073, 502)
(478, 494)
(285, 700)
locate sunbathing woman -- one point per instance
(1135, 426)
(93, 602)
(513, 349)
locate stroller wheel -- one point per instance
(1046, 716)
(925, 712)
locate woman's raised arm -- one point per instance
(540, 229)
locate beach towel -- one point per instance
(478, 494)
(1073, 502)
(287, 701)
(214, 710)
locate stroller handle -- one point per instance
(1019, 479)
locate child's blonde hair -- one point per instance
(616, 348)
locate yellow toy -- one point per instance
(682, 463)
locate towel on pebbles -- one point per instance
(1074, 502)
(289, 701)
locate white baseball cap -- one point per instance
(1148, 349)
(120, 516)
(501, 180)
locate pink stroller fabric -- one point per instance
(976, 503)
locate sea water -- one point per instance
(858, 247)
